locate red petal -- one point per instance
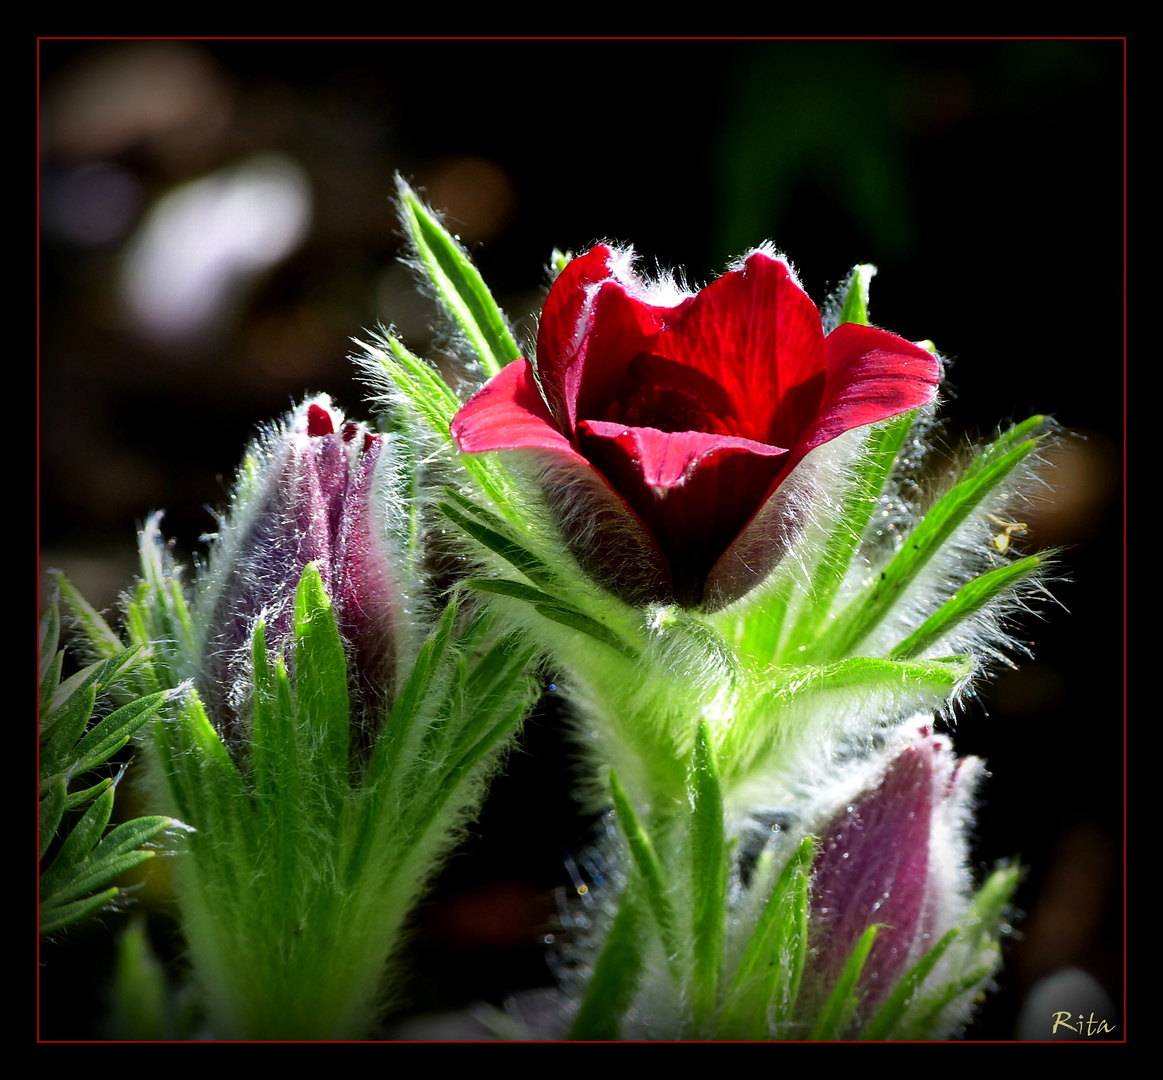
(509, 413)
(557, 335)
(872, 375)
(619, 328)
(756, 332)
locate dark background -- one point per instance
(985, 179)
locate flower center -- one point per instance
(668, 396)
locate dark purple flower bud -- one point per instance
(893, 857)
(312, 497)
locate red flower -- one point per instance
(671, 424)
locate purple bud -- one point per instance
(315, 499)
(892, 857)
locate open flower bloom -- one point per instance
(314, 499)
(894, 856)
(672, 419)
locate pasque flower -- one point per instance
(893, 857)
(679, 415)
(313, 500)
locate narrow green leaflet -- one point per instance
(855, 307)
(74, 884)
(534, 568)
(841, 1002)
(458, 284)
(648, 867)
(962, 605)
(97, 633)
(856, 623)
(615, 980)
(872, 471)
(771, 953)
(321, 685)
(905, 992)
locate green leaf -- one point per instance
(648, 867)
(558, 261)
(92, 875)
(963, 604)
(1007, 441)
(429, 393)
(614, 984)
(413, 702)
(458, 284)
(139, 988)
(841, 1002)
(708, 873)
(78, 799)
(51, 667)
(575, 620)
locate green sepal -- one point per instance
(963, 604)
(457, 283)
(648, 867)
(842, 1001)
(708, 873)
(615, 980)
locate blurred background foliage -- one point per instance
(216, 225)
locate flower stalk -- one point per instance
(755, 675)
